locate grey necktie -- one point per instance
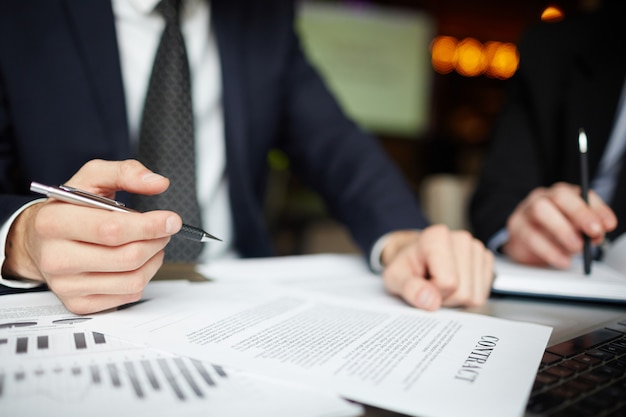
(166, 139)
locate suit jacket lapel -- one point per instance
(93, 25)
(603, 93)
(228, 19)
(596, 90)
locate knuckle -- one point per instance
(132, 257)
(475, 301)
(489, 258)
(449, 287)
(50, 264)
(438, 229)
(152, 228)
(535, 210)
(467, 298)
(127, 166)
(79, 306)
(43, 224)
(389, 280)
(560, 194)
(561, 187)
(93, 164)
(406, 286)
(60, 290)
(110, 233)
(135, 285)
(464, 236)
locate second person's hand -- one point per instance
(546, 227)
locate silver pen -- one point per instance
(83, 198)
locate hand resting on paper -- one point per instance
(437, 267)
(546, 227)
(93, 259)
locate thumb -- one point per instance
(106, 177)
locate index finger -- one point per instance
(604, 212)
(582, 215)
(438, 251)
(109, 228)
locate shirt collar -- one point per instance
(147, 6)
(143, 6)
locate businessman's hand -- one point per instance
(93, 259)
(546, 228)
(437, 267)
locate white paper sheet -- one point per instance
(615, 255)
(603, 284)
(419, 363)
(337, 275)
(50, 366)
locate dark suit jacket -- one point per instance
(570, 76)
(62, 104)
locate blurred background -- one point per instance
(427, 78)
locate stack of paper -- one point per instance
(317, 334)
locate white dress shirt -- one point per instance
(139, 30)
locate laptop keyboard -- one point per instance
(584, 376)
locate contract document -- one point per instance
(49, 366)
(399, 358)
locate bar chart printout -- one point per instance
(52, 367)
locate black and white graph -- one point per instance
(51, 366)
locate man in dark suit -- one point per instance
(69, 85)
(528, 201)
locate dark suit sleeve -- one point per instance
(526, 149)
(569, 78)
(10, 198)
(359, 183)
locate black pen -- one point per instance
(584, 190)
(83, 198)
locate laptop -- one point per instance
(589, 333)
(583, 376)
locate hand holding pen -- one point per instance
(83, 198)
(553, 224)
(93, 259)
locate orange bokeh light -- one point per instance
(503, 59)
(442, 50)
(552, 14)
(471, 58)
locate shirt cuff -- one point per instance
(4, 233)
(498, 240)
(376, 253)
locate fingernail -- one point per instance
(596, 228)
(425, 298)
(172, 224)
(152, 177)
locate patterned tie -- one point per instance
(166, 138)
